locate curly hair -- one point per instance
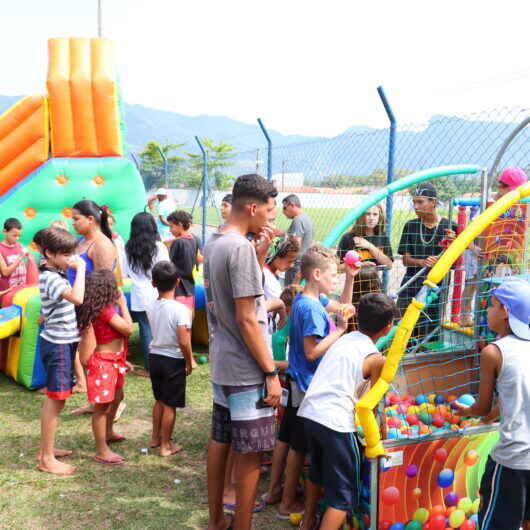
(180, 217)
(141, 248)
(285, 247)
(101, 289)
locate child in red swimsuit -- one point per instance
(104, 316)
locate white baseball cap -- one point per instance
(161, 191)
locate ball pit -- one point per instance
(415, 416)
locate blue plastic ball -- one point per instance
(445, 478)
(466, 399)
(397, 526)
(420, 398)
(439, 400)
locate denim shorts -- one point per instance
(58, 360)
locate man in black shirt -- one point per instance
(420, 248)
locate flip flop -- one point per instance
(260, 506)
(109, 462)
(284, 517)
(120, 438)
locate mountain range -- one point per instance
(357, 151)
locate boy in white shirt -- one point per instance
(170, 356)
(328, 410)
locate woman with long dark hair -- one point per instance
(142, 252)
(97, 250)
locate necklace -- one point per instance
(422, 237)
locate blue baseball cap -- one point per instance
(514, 295)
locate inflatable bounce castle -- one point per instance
(55, 150)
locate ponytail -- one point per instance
(88, 208)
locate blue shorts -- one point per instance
(58, 360)
(336, 460)
(504, 497)
(237, 419)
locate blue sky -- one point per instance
(307, 67)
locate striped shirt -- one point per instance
(60, 322)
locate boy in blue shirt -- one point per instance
(310, 337)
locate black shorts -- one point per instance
(168, 379)
(292, 430)
(504, 497)
(336, 461)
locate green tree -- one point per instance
(220, 157)
(152, 164)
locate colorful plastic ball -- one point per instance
(430, 408)
(474, 518)
(406, 432)
(394, 399)
(449, 511)
(412, 471)
(431, 398)
(394, 421)
(402, 408)
(471, 457)
(390, 495)
(384, 525)
(412, 419)
(438, 422)
(445, 478)
(413, 525)
(466, 399)
(452, 398)
(457, 518)
(451, 499)
(391, 412)
(416, 492)
(202, 359)
(437, 522)
(476, 505)
(440, 455)
(420, 399)
(351, 258)
(397, 526)
(413, 409)
(439, 400)
(465, 504)
(295, 518)
(421, 515)
(425, 417)
(468, 524)
(424, 429)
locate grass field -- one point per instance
(324, 219)
(139, 494)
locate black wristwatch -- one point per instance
(271, 374)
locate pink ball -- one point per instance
(390, 496)
(351, 258)
(440, 454)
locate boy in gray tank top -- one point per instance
(505, 367)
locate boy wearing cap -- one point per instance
(505, 368)
(420, 248)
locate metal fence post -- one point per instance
(390, 169)
(165, 164)
(204, 188)
(269, 149)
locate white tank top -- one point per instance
(513, 387)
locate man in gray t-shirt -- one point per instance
(244, 379)
(231, 260)
(301, 228)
